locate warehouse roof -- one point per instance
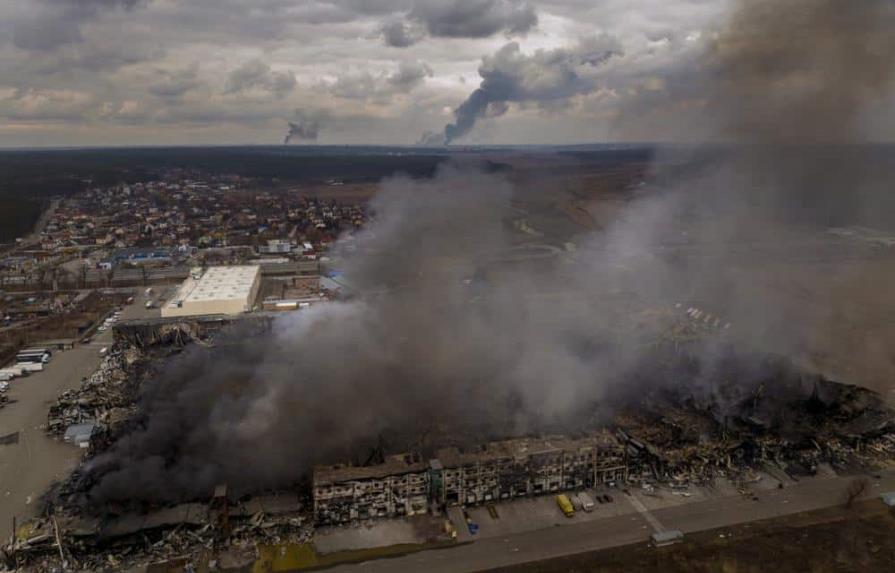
(219, 283)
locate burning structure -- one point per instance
(440, 342)
(406, 485)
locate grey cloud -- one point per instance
(400, 34)
(45, 32)
(172, 85)
(382, 87)
(257, 75)
(458, 19)
(474, 18)
(542, 77)
(409, 75)
(59, 22)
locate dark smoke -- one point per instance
(509, 76)
(439, 342)
(788, 88)
(448, 338)
(802, 71)
(304, 128)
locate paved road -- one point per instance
(622, 530)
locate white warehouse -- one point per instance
(219, 290)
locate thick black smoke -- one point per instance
(437, 343)
(304, 128)
(787, 88)
(446, 337)
(509, 76)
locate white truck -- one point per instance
(587, 503)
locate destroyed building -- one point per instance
(403, 485)
(399, 486)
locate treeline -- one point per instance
(18, 216)
(28, 178)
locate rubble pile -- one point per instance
(120, 542)
(732, 421)
(675, 438)
(106, 398)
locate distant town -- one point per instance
(59, 282)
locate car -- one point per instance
(103, 328)
(86, 340)
(607, 498)
(4, 386)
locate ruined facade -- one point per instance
(524, 467)
(497, 470)
(400, 486)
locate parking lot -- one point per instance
(32, 461)
(532, 514)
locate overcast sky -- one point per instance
(115, 72)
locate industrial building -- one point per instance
(399, 486)
(404, 485)
(217, 290)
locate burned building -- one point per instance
(399, 486)
(404, 485)
(524, 467)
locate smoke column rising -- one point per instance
(433, 345)
(431, 348)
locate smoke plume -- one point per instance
(437, 341)
(304, 128)
(509, 76)
(448, 336)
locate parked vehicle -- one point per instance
(27, 357)
(472, 526)
(562, 500)
(103, 350)
(587, 504)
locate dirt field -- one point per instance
(860, 539)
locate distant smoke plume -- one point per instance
(304, 128)
(450, 340)
(509, 76)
